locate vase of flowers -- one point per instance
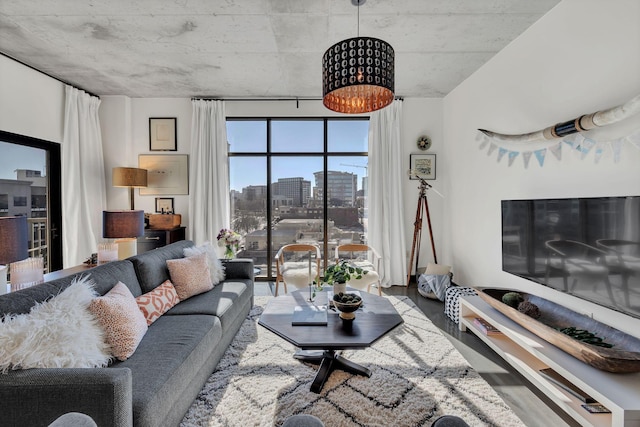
(230, 240)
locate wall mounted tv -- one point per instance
(586, 247)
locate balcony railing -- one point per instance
(38, 239)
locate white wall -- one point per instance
(31, 103)
(125, 135)
(581, 57)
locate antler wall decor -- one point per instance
(551, 138)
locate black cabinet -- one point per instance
(154, 238)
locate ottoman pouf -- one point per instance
(452, 301)
(302, 420)
(449, 421)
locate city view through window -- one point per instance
(297, 181)
(23, 192)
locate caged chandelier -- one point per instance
(358, 74)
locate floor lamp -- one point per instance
(125, 227)
(14, 245)
(423, 205)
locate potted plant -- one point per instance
(340, 273)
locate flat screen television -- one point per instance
(586, 247)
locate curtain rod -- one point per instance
(297, 99)
(47, 74)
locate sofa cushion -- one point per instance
(190, 276)
(222, 301)
(123, 323)
(155, 303)
(58, 333)
(151, 266)
(174, 353)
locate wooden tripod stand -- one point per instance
(423, 204)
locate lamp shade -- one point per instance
(14, 239)
(122, 224)
(358, 75)
(129, 177)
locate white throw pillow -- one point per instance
(438, 269)
(215, 265)
(57, 333)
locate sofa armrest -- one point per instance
(238, 268)
(36, 397)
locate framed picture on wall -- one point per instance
(164, 205)
(163, 134)
(424, 165)
(167, 174)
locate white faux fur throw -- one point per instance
(57, 333)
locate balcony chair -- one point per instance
(292, 265)
(365, 257)
(570, 258)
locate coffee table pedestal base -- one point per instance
(329, 361)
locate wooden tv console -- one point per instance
(528, 353)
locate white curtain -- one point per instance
(209, 172)
(386, 231)
(83, 180)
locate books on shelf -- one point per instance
(486, 327)
(309, 315)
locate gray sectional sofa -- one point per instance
(157, 385)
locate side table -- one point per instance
(155, 238)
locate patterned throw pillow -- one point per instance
(123, 323)
(215, 265)
(190, 276)
(157, 302)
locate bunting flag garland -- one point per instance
(577, 142)
(556, 150)
(540, 156)
(598, 154)
(501, 153)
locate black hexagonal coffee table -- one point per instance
(376, 317)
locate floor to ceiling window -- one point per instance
(297, 181)
(30, 186)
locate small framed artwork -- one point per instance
(167, 174)
(424, 166)
(164, 205)
(163, 134)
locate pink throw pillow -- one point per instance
(157, 302)
(190, 276)
(123, 323)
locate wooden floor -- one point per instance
(531, 406)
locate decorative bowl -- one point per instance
(347, 309)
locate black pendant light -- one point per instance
(358, 74)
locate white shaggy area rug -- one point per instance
(417, 375)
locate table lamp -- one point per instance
(125, 227)
(131, 178)
(14, 245)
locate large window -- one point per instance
(297, 181)
(30, 186)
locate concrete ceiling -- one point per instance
(253, 48)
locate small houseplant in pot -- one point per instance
(340, 273)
